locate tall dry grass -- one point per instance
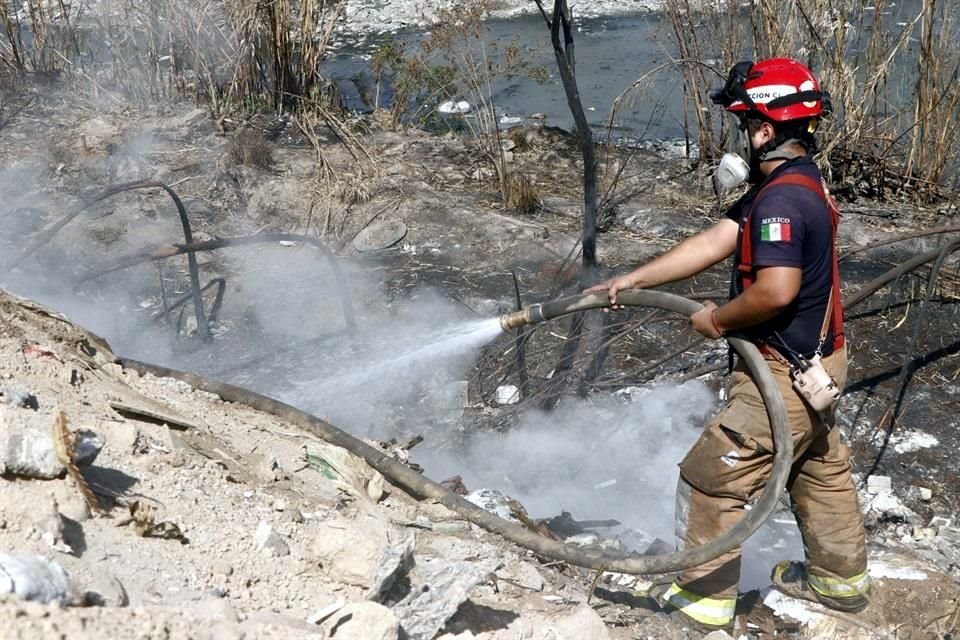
(232, 54)
(891, 68)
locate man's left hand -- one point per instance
(704, 323)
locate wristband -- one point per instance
(713, 321)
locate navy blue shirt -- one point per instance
(790, 227)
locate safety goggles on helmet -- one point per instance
(778, 89)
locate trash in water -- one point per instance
(451, 107)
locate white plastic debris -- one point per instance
(493, 501)
(879, 484)
(507, 394)
(913, 441)
(34, 578)
(454, 107)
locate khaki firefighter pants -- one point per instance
(728, 468)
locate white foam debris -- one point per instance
(784, 605)
(880, 569)
(913, 441)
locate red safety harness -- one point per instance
(748, 272)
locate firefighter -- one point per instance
(785, 299)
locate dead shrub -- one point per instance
(250, 148)
(520, 194)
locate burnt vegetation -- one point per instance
(889, 140)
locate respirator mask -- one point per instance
(735, 168)
(732, 171)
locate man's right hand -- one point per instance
(612, 287)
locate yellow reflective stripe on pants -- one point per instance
(858, 585)
(713, 611)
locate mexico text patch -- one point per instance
(775, 230)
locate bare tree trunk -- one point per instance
(566, 64)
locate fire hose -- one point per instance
(608, 560)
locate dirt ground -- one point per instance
(221, 523)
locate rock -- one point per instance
(367, 552)
(950, 535)
(522, 574)
(925, 494)
(879, 484)
(105, 590)
(888, 507)
(120, 436)
(19, 397)
(363, 621)
(269, 541)
(583, 624)
(26, 444)
(35, 578)
(438, 588)
(380, 235)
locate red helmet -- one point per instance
(778, 89)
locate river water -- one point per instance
(613, 51)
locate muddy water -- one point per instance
(612, 53)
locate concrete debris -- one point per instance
(886, 507)
(27, 446)
(363, 621)
(36, 578)
(925, 494)
(365, 551)
(879, 484)
(522, 575)
(438, 588)
(583, 624)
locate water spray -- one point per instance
(599, 559)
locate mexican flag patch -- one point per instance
(775, 231)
